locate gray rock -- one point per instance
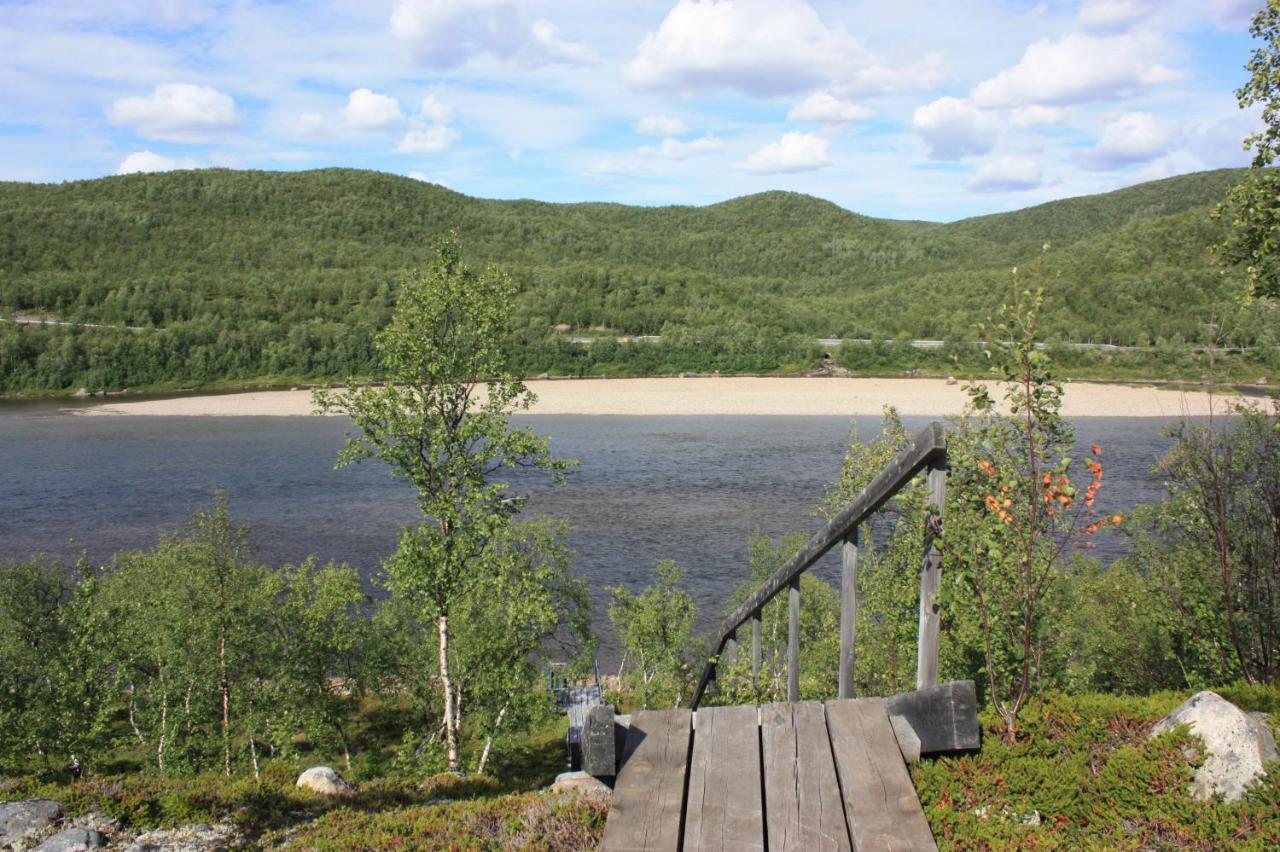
(1236, 745)
(324, 780)
(580, 784)
(20, 820)
(199, 837)
(73, 839)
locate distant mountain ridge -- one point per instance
(298, 268)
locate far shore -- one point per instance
(726, 395)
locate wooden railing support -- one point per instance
(848, 613)
(927, 450)
(755, 646)
(731, 651)
(931, 580)
(793, 643)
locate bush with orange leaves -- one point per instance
(1018, 507)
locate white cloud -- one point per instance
(1078, 68)
(368, 110)
(1234, 14)
(434, 111)
(148, 161)
(828, 109)
(1037, 116)
(674, 149)
(178, 112)
(954, 128)
(1219, 143)
(445, 34)
(1008, 174)
(794, 152)
(1134, 137)
(660, 125)
(428, 140)
(1114, 15)
(757, 47)
(555, 49)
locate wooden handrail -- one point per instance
(927, 450)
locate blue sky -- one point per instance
(909, 109)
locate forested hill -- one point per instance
(241, 274)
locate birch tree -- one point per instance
(442, 421)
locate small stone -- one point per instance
(82, 393)
(1261, 382)
(1236, 744)
(27, 817)
(73, 839)
(581, 784)
(324, 780)
(1032, 818)
(951, 380)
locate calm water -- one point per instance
(648, 488)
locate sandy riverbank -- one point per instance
(725, 395)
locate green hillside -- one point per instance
(241, 275)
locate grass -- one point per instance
(1082, 773)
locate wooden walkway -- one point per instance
(793, 776)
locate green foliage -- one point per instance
(55, 690)
(1216, 540)
(1253, 239)
(1086, 767)
(279, 277)
(442, 422)
(1014, 509)
(655, 629)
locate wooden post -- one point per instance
(848, 613)
(793, 643)
(755, 646)
(731, 651)
(931, 580)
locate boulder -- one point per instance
(1236, 744)
(73, 839)
(580, 784)
(324, 780)
(21, 820)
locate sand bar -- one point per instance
(726, 395)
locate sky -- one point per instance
(898, 108)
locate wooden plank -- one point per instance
(941, 718)
(599, 756)
(725, 810)
(803, 808)
(793, 643)
(848, 615)
(928, 446)
(649, 793)
(931, 581)
(880, 803)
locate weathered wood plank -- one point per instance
(880, 802)
(599, 756)
(793, 642)
(649, 793)
(931, 581)
(928, 446)
(802, 800)
(940, 718)
(725, 810)
(848, 615)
